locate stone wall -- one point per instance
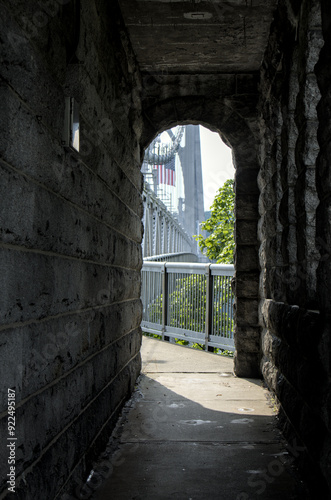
(294, 228)
(70, 236)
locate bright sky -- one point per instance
(217, 164)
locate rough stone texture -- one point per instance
(70, 236)
(171, 36)
(294, 229)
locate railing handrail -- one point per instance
(215, 269)
(165, 256)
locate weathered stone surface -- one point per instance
(246, 313)
(248, 339)
(178, 49)
(294, 219)
(246, 258)
(80, 288)
(246, 232)
(292, 324)
(246, 181)
(246, 285)
(70, 235)
(247, 364)
(246, 208)
(61, 403)
(59, 227)
(269, 373)
(47, 349)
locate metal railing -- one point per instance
(189, 301)
(173, 257)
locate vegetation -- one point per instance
(219, 244)
(186, 343)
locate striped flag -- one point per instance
(167, 173)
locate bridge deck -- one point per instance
(194, 431)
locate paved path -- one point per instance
(194, 431)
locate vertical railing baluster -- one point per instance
(218, 326)
(178, 293)
(196, 294)
(215, 305)
(224, 304)
(208, 310)
(183, 306)
(164, 301)
(227, 308)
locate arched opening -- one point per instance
(234, 121)
(190, 304)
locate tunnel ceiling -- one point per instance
(196, 36)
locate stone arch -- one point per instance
(234, 120)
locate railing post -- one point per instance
(164, 301)
(209, 307)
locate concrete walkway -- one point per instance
(193, 431)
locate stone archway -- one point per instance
(234, 119)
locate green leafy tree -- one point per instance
(219, 244)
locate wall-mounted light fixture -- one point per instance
(198, 15)
(71, 124)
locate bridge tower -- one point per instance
(190, 209)
(190, 158)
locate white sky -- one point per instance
(217, 164)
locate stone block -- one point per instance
(46, 350)
(95, 419)
(309, 326)
(246, 312)
(246, 181)
(73, 182)
(267, 342)
(263, 284)
(247, 339)
(267, 200)
(47, 412)
(28, 74)
(79, 288)
(280, 282)
(246, 207)
(52, 224)
(246, 232)
(246, 258)
(281, 319)
(268, 169)
(267, 224)
(246, 285)
(246, 364)
(270, 373)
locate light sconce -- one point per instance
(198, 15)
(71, 124)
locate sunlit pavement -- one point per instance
(195, 431)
